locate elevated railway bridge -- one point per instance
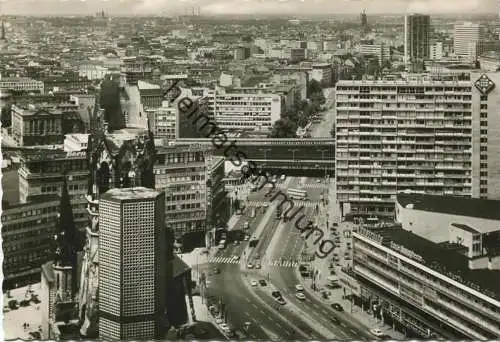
(313, 157)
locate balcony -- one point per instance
(449, 292)
(454, 323)
(467, 315)
(363, 271)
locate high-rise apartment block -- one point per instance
(416, 44)
(132, 254)
(469, 40)
(422, 133)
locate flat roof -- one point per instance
(466, 228)
(447, 260)
(130, 193)
(462, 206)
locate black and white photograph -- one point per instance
(254, 170)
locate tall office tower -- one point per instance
(132, 253)
(417, 30)
(468, 40)
(427, 134)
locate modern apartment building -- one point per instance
(22, 84)
(28, 236)
(42, 171)
(468, 40)
(132, 259)
(243, 112)
(416, 31)
(421, 133)
(431, 290)
(185, 173)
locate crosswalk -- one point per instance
(275, 262)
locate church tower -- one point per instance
(59, 277)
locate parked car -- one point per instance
(262, 282)
(250, 266)
(299, 287)
(254, 283)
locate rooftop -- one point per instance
(461, 206)
(130, 194)
(445, 260)
(466, 228)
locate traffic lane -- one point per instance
(291, 317)
(265, 238)
(291, 237)
(286, 281)
(232, 290)
(322, 311)
(239, 308)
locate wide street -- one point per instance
(278, 253)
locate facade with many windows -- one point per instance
(22, 84)
(243, 112)
(185, 173)
(41, 173)
(427, 287)
(422, 134)
(132, 255)
(28, 235)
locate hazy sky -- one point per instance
(170, 7)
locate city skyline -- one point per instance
(244, 7)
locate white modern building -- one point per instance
(436, 51)
(468, 40)
(163, 120)
(242, 112)
(428, 289)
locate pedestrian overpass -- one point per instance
(310, 157)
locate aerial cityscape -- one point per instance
(250, 170)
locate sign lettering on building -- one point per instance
(405, 251)
(484, 84)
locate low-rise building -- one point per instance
(427, 289)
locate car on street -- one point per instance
(246, 225)
(281, 301)
(246, 238)
(335, 224)
(219, 321)
(254, 283)
(299, 287)
(250, 266)
(258, 266)
(216, 270)
(377, 332)
(262, 282)
(300, 296)
(236, 257)
(225, 328)
(337, 307)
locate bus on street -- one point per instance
(297, 194)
